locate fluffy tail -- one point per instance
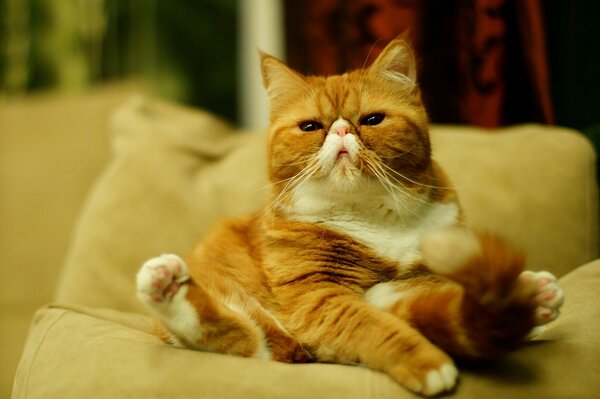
(491, 310)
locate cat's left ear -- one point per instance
(279, 79)
(397, 63)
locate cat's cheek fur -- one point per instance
(402, 142)
(289, 149)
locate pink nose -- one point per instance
(342, 130)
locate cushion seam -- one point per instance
(35, 355)
(89, 311)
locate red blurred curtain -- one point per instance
(481, 62)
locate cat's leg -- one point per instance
(284, 347)
(430, 304)
(191, 317)
(340, 327)
(492, 271)
(479, 303)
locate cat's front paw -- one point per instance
(428, 372)
(160, 278)
(549, 296)
(441, 380)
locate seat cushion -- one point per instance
(77, 352)
(174, 171)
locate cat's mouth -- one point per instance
(345, 157)
(338, 160)
(345, 165)
(343, 153)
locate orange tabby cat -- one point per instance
(360, 256)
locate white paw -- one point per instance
(160, 278)
(549, 296)
(441, 380)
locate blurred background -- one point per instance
(483, 62)
(65, 65)
(184, 50)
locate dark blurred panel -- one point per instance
(573, 30)
(482, 62)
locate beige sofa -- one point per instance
(52, 147)
(173, 171)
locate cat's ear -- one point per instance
(279, 79)
(397, 63)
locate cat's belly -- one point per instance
(391, 238)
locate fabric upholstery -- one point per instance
(52, 147)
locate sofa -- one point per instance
(173, 171)
(52, 147)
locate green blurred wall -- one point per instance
(184, 50)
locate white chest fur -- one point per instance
(391, 226)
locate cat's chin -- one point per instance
(344, 175)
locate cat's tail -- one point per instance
(496, 304)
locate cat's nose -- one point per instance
(342, 130)
(340, 127)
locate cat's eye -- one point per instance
(310, 126)
(372, 119)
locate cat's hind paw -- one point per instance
(160, 278)
(549, 296)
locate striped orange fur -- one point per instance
(359, 257)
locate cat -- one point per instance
(362, 255)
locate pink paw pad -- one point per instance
(160, 278)
(549, 296)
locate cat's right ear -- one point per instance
(279, 79)
(396, 63)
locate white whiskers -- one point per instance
(293, 183)
(398, 192)
(416, 183)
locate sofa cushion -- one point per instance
(77, 352)
(175, 171)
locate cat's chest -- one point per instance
(394, 239)
(395, 236)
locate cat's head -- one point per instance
(365, 125)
